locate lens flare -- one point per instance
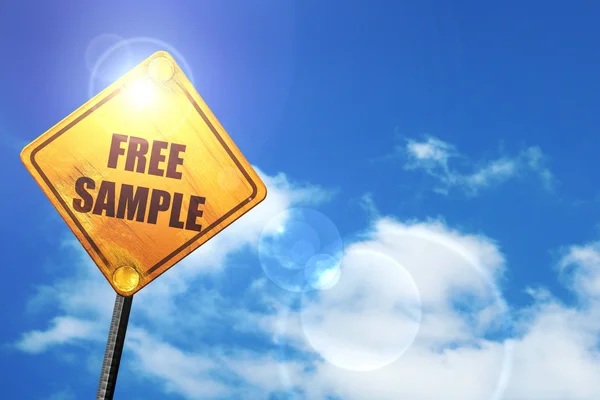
(141, 93)
(300, 249)
(121, 56)
(322, 271)
(384, 295)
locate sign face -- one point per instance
(143, 174)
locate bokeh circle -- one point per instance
(300, 250)
(379, 289)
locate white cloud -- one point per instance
(434, 156)
(368, 205)
(207, 374)
(369, 318)
(432, 152)
(580, 266)
(63, 330)
(553, 355)
(182, 373)
(490, 173)
(556, 356)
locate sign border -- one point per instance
(181, 248)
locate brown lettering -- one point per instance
(85, 203)
(136, 150)
(133, 201)
(105, 202)
(157, 157)
(194, 213)
(174, 221)
(158, 202)
(115, 149)
(175, 160)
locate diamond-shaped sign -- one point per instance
(143, 174)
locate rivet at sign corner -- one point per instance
(126, 278)
(161, 68)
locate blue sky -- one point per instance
(451, 145)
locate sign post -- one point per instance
(143, 174)
(114, 348)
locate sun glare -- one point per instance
(141, 92)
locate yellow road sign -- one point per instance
(143, 174)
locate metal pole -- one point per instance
(114, 348)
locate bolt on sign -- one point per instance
(143, 174)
